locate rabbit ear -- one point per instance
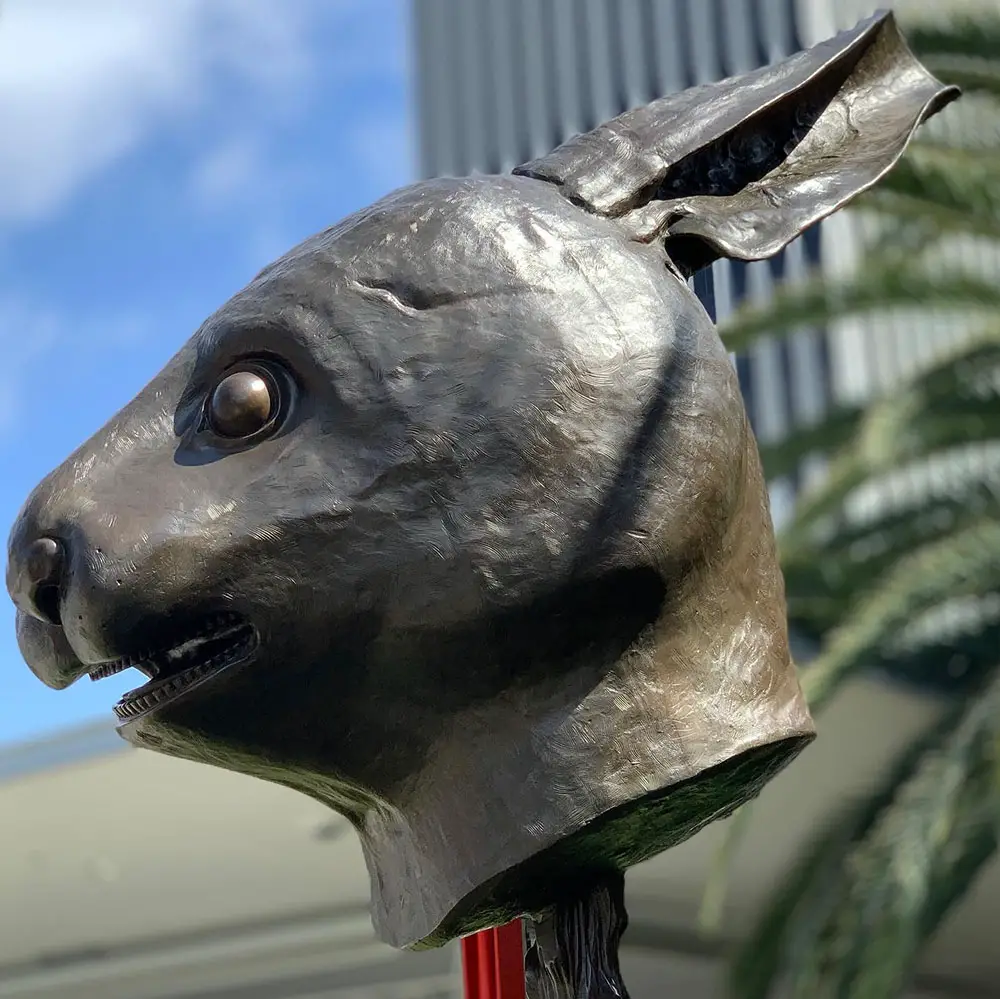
(741, 167)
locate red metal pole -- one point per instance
(493, 963)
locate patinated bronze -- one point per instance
(452, 518)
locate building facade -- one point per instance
(500, 82)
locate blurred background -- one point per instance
(156, 154)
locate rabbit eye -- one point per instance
(243, 403)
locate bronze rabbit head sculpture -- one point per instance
(453, 519)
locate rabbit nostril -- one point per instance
(46, 601)
(41, 576)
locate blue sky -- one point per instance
(156, 154)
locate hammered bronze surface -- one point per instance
(452, 518)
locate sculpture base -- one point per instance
(571, 950)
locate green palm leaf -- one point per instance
(824, 576)
(966, 562)
(901, 878)
(824, 579)
(878, 287)
(972, 75)
(794, 916)
(969, 37)
(966, 655)
(953, 404)
(837, 428)
(850, 917)
(954, 189)
(909, 582)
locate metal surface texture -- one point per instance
(453, 519)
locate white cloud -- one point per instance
(83, 82)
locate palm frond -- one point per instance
(714, 896)
(966, 37)
(877, 287)
(784, 925)
(900, 242)
(955, 189)
(849, 918)
(784, 929)
(955, 402)
(962, 656)
(846, 472)
(951, 403)
(970, 846)
(965, 562)
(913, 863)
(824, 578)
(972, 75)
(893, 562)
(837, 428)
(902, 523)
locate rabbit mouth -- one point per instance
(212, 646)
